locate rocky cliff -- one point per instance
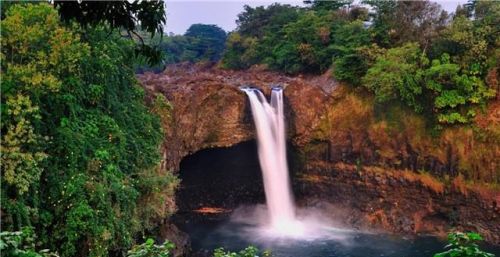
(333, 124)
(209, 109)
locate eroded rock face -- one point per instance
(327, 122)
(209, 109)
(371, 198)
(332, 124)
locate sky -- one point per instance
(223, 13)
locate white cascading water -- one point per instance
(271, 140)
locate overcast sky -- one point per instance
(182, 13)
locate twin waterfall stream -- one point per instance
(271, 140)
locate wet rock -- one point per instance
(169, 231)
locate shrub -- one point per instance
(250, 251)
(80, 150)
(150, 249)
(463, 245)
(21, 244)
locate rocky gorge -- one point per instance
(375, 167)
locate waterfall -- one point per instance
(271, 140)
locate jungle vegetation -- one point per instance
(200, 43)
(440, 64)
(80, 149)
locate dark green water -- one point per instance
(207, 235)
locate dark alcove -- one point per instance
(220, 178)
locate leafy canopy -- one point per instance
(80, 150)
(129, 16)
(411, 52)
(396, 74)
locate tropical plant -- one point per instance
(150, 249)
(303, 47)
(454, 93)
(397, 74)
(348, 39)
(250, 251)
(208, 41)
(80, 150)
(463, 245)
(21, 244)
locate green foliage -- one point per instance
(455, 93)
(240, 52)
(467, 43)
(151, 14)
(250, 251)
(443, 87)
(36, 54)
(21, 244)
(209, 41)
(304, 46)
(328, 5)
(80, 150)
(396, 74)
(350, 65)
(150, 249)
(201, 42)
(390, 57)
(129, 16)
(350, 68)
(260, 30)
(398, 22)
(463, 245)
(263, 21)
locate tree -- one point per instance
(207, 41)
(350, 65)
(397, 74)
(328, 5)
(444, 89)
(79, 147)
(471, 43)
(398, 22)
(38, 58)
(455, 93)
(259, 31)
(126, 15)
(350, 68)
(304, 46)
(256, 22)
(241, 52)
(200, 43)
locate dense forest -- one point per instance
(80, 150)
(200, 43)
(80, 146)
(405, 51)
(443, 65)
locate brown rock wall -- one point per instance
(332, 124)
